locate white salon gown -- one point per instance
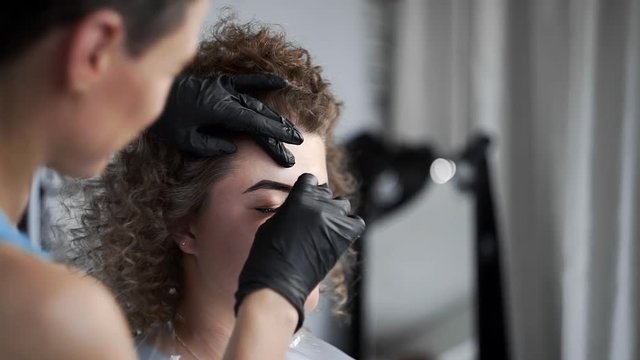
(303, 346)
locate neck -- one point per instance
(21, 153)
(207, 317)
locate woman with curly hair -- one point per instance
(169, 232)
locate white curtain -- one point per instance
(556, 83)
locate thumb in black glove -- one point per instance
(296, 248)
(202, 113)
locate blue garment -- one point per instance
(148, 352)
(10, 235)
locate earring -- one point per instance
(183, 243)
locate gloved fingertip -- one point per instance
(359, 224)
(258, 82)
(221, 148)
(229, 148)
(277, 82)
(308, 179)
(286, 158)
(297, 137)
(288, 162)
(292, 134)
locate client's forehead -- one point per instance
(252, 164)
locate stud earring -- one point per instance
(183, 243)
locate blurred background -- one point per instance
(522, 241)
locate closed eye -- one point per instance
(267, 210)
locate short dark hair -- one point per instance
(24, 22)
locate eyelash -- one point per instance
(267, 210)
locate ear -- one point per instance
(184, 236)
(94, 42)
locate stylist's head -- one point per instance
(83, 77)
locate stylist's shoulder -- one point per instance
(49, 312)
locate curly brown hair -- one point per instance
(125, 233)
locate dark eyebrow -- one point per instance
(270, 185)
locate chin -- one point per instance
(80, 169)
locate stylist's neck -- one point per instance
(21, 148)
(208, 315)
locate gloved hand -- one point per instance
(296, 248)
(202, 113)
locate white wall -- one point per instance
(334, 33)
(418, 276)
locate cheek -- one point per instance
(225, 238)
(129, 104)
(148, 100)
(140, 90)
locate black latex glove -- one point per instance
(202, 113)
(296, 248)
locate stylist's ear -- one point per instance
(94, 42)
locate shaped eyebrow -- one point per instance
(270, 185)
